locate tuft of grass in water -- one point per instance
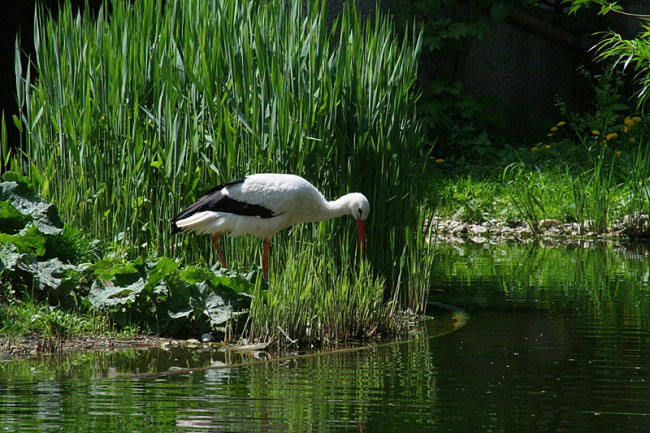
(313, 300)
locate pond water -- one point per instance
(557, 339)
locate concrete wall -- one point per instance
(523, 73)
(528, 61)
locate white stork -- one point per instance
(262, 204)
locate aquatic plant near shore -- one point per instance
(177, 97)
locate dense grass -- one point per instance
(135, 114)
(320, 301)
(598, 194)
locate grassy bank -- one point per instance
(594, 199)
(129, 117)
(591, 168)
(606, 195)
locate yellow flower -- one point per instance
(618, 153)
(595, 132)
(439, 160)
(547, 146)
(561, 123)
(632, 140)
(550, 134)
(554, 129)
(611, 136)
(534, 148)
(625, 130)
(628, 121)
(636, 119)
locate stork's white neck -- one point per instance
(355, 204)
(337, 208)
(326, 210)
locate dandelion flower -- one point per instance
(554, 129)
(547, 146)
(632, 140)
(534, 148)
(636, 119)
(618, 153)
(611, 136)
(561, 123)
(595, 132)
(439, 160)
(628, 121)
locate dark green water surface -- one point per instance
(557, 339)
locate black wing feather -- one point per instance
(215, 200)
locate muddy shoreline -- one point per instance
(443, 230)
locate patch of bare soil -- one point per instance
(33, 345)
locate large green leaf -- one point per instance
(121, 273)
(203, 302)
(25, 201)
(30, 240)
(48, 280)
(178, 302)
(105, 295)
(11, 220)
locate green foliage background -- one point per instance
(133, 116)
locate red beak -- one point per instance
(361, 230)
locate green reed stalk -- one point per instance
(526, 193)
(636, 169)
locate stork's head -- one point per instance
(359, 206)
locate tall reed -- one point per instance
(130, 116)
(320, 301)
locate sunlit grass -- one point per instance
(598, 194)
(50, 325)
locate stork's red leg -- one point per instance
(265, 259)
(217, 245)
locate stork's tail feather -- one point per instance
(200, 222)
(175, 227)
